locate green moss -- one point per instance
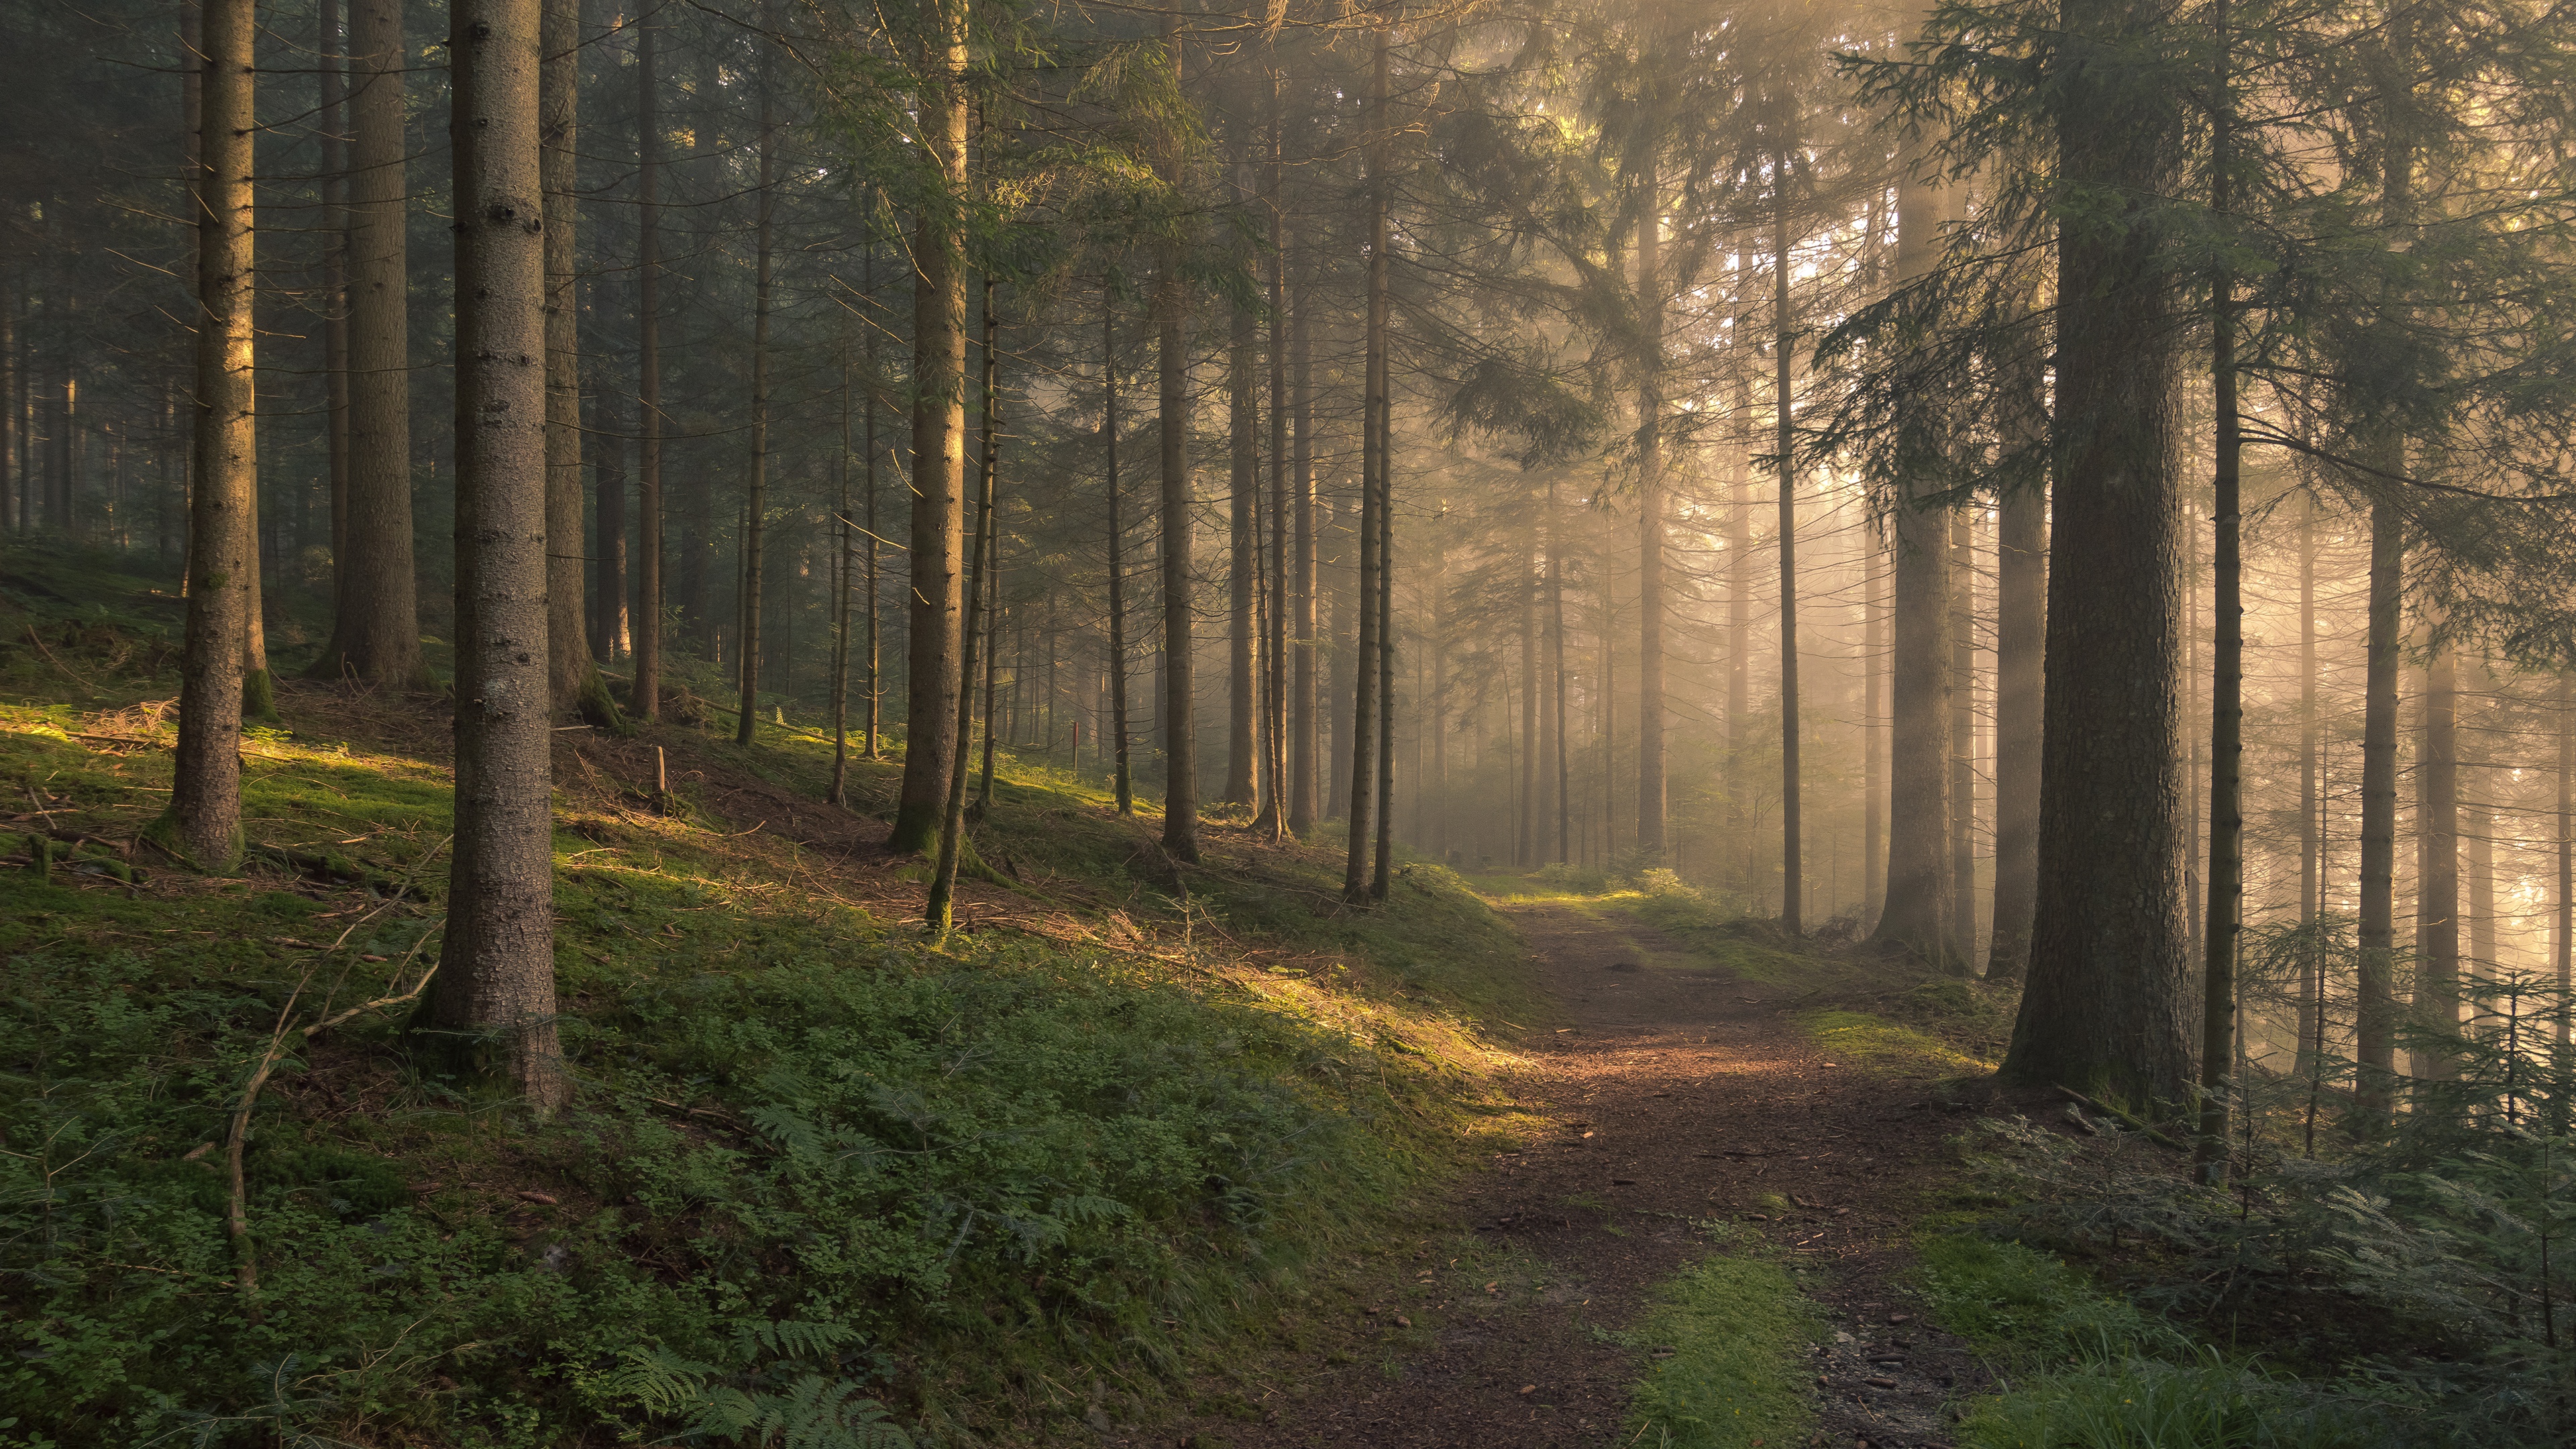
(1853, 1038)
(1734, 1328)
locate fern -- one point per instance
(814, 1413)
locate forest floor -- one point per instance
(1693, 1109)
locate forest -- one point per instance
(968, 722)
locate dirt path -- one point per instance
(1681, 1093)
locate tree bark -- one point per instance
(1564, 763)
(2108, 1001)
(1873, 770)
(1122, 769)
(1275, 806)
(375, 632)
(844, 548)
(1651, 754)
(938, 543)
(495, 994)
(1916, 913)
(1306, 754)
(1366, 741)
(1962, 643)
(755, 510)
(2311, 843)
(645, 698)
(572, 678)
(332, 126)
(610, 624)
(2437, 885)
(204, 820)
(1180, 671)
(2564, 946)
(2224, 914)
(2375, 1023)
(1783, 343)
(1243, 551)
(952, 825)
(2021, 621)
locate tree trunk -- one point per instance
(2375, 1023)
(1243, 479)
(2021, 613)
(1873, 769)
(1783, 341)
(2564, 946)
(952, 825)
(1556, 675)
(1306, 755)
(645, 697)
(1180, 672)
(1123, 777)
(375, 628)
(937, 554)
(988, 412)
(1525, 827)
(1366, 741)
(1275, 803)
(2108, 1001)
(2224, 914)
(572, 678)
(2311, 796)
(868, 441)
(333, 128)
(610, 625)
(2437, 885)
(495, 993)
(204, 820)
(1651, 789)
(1916, 913)
(755, 513)
(844, 547)
(1963, 737)
(1381, 874)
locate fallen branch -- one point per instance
(32, 638)
(2125, 1118)
(237, 1136)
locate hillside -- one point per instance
(1035, 1174)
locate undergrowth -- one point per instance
(823, 1182)
(1725, 1337)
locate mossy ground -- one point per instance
(1088, 1150)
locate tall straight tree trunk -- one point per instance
(2563, 946)
(1873, 769)
(1651, 753)
(2375, 1023)
(844, 551)
(2437, 822)
(495, 993)
(1243, 552)
(2021, 622)
(1382, 872)
(2109, 995)
(868, 441)
(375, 635)
(938, 544)
(2225, 911)
(1556, 673)
(2478, 914)
(1916, 914)
(1275, 808)
(939, 914)
(1365, 740)
(1783, 343)
(755, 512)
(2375, 1015)
(572, 678)
(1306, 754)
(332, 124)
(204, 819)
(1525, 827)
(1180, 672)
(645, 698)
(1963, 736)
(988, 582)
(1123, 778)
(610, 625)
(2311, 794)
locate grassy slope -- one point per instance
(1035, 1176)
